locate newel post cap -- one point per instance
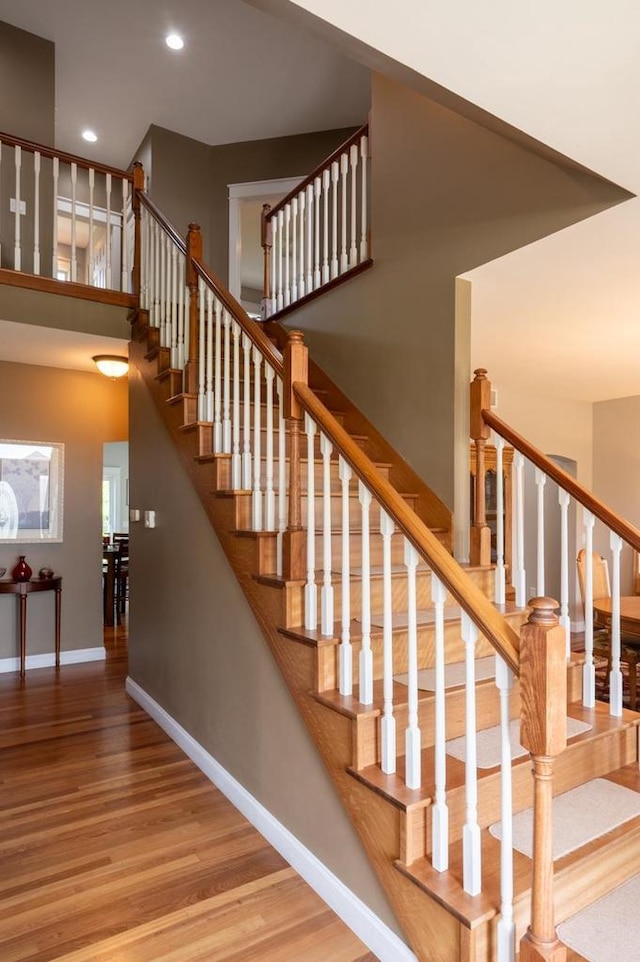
(543, 611)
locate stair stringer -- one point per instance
(433, 933)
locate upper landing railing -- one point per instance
(67, 218)
(319, 232)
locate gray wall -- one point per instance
(196, 648)
(190, 179)
(446, 196)
(82, 411)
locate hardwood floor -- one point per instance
(114, 846)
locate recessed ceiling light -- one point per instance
(174, 41)
(89, 135)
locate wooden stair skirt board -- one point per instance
(441, 922)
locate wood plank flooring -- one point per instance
(114, 846)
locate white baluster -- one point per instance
(36, 212)
(506, 925)
(353, 249)
(294, 249)
(275, 241)
(256, 499)
(55, 174)
(335, 176)
(388, 723)
(282, 477)
(281, 254)
(326, 594)
(204, 294)
(364, 245)
(211, 398)
(413, 776)
(564, 619)
(226, 385)
(326, 183)
(109, 279)
(236, 458)
(471, 851)
(181, 340)
(287, 254)
(174, 307)
(310, 588)
(519, 576)
(185, 316)
(270, 497)
(91, 268)
(317, 189)
(124, 236)
(1, 206)
(144, 258)
(615, 675)
(439, 810)
(313, 230)
(345, 661)
(302, 206)
(500, 575)
(217, 381)
(17, 250)
(157, 278)
(163, 280)
(246, 406)
(74, 259)
(344, 170)
(588, 668)
(541, 480)
(365, 686)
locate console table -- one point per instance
(21, 589)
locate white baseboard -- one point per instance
(48, 659)
(375, 934)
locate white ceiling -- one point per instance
(560, 317)
(50, 347)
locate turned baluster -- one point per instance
(194, 250)
(543, 684)
(138, 185)
(293, 541)
(480, 397)
(265, 231)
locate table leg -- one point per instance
(109, 593)
(22, 629)
(57, 636)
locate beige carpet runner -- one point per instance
(454, 674)
(579, 816)
(488, 742)
(607, 930)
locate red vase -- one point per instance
(22, 571)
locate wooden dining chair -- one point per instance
(122, 578)
(629, 646)
(636, 572)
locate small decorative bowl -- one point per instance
(46, 572)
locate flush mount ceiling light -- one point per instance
(111, 365)
(89, 135)
(174, 41)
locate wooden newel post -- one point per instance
(138, 185)
(266, 247)
(296, 365)
(480, 397)
(194, 249)
(543, 732)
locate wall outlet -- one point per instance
(12, 206)
(149, 519)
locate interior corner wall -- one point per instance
(196, 648)
(190, 180)
(616, 465)
(81, 410)
(27, 77)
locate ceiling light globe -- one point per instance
(111, 365)
(90, 136)
(174, 41)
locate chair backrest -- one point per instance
(599, 575)
(120, 536)
(636, 572)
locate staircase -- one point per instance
(395, 822)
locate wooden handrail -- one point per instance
(466, 592)
(257, 336)
(616, 522)
(353, 139)
(146, 201)
(50, 152)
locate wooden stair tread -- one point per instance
(446, 887)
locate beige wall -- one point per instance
(446, 195)
(190, 179)
(82, 411)
(196, 648)
(616, 464)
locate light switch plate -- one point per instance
(149, 519)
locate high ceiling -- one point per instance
(567, 309)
